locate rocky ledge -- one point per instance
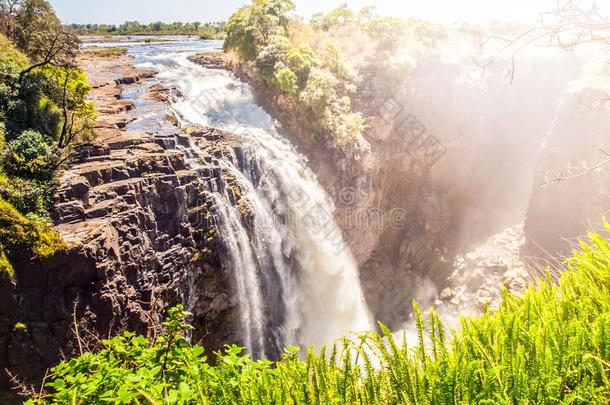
(137, 216)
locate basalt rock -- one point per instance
(383, 198)
(138, 223)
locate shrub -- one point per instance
(301, 59)
(319, 92)
(26, 236)
(250, 29)
(2, 138)
(12, 60)
(240, 35)
(31, 154)
(287, 81)
(28, 195)
(6, 269)
(550, 345)
(387, 32)
(77, 89)
(269, 57)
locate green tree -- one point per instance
(287, 81)
(250, 28)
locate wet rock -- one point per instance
(447, 294)
(134, 216)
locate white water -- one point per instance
(297, 281)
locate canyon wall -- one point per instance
(137, 220)
(571, 193)
(451, 157)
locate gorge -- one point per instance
(332, 195)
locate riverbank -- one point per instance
(135, 217)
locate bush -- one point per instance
(319, 92)
(6, 269)
(2, 138)
(45, 241)
(28, 195)
(268, 58)
(287, 81)
(387, 32)
(301, 59)
(551, 345)
(31, 154)
(250, 29)
(26, 236)
(12, 60)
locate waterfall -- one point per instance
(296, 279)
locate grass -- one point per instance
(106, 51)
(549, 346)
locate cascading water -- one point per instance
(296, 280)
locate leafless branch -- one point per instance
(22, 389)
(575, 172)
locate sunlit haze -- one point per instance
(144, 11)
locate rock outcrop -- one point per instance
(137, 216)
(570, 194)
(392, 217)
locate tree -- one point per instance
(56, 48)
(25, 21)
(251, 27)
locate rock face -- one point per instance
(569, 197)
(393, 218)
(446, 163)
(138, 222)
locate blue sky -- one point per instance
(144, 11)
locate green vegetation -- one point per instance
(260, 34)
(43, 112)
(314, 70)
(106, 52)
(550, 345)
(209, 30)
(304, 64)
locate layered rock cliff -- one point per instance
(450, 159)
(393, 217)
(137, 219)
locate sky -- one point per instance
(446, 11)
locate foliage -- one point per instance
(28, 195)
(269, 58)
(20, 326)
(426, 34)
(301, 59)
(105, 51)
(42, 113)
(550, 345)
(2, 137)
(287, 81)
(250, 28)
(23, 237)
(339, 17)
(208, 30)
(386, 31)
(6, 268)
(12, 60)
(28, 24)
(317, 81)
(32, 155)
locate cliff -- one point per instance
(137, 220)
(393, 215)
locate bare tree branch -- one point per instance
(575, 172)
